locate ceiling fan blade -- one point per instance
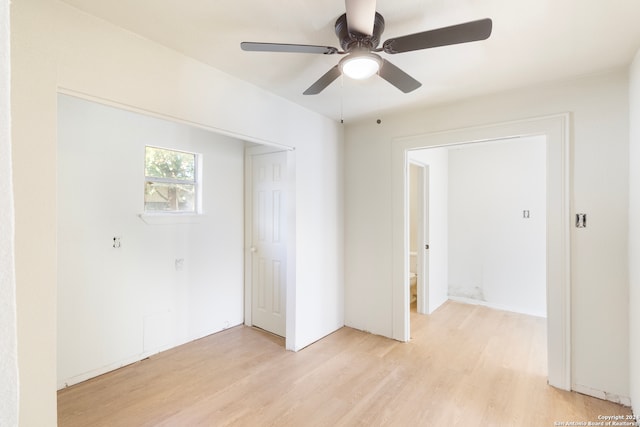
(397, 77)
(283, 47)
(360, 16)
(323, 81)
(461, 33)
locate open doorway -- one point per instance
(556, 131)
(488, 203)
(418, 236)
(431, 227)
(497, 224)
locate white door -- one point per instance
(420, 235)
(269, 251)
(423, 248)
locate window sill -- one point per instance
(168, 218)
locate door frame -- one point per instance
(291, 240)
(556, 129)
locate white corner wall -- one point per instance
(496, 256)
(600, 173)
(634, 233)
(56, 46)
(117, 306)
(8, 345)
(438, 161)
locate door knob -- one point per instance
(426, 246)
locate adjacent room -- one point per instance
(477, 225)
(207, 216)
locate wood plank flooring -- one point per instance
(465, 365)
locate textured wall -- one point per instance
(8, 355)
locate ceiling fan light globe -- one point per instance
(360, 67)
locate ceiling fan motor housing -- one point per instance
(350, 41)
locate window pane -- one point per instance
(170, 164)
(167, 197)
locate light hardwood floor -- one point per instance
(465, 365)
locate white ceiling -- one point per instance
(532, 41)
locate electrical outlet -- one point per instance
(116, 242)
(179, 264)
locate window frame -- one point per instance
(196, 182)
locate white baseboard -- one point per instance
(68, 382)
(496, 306)
(611, 397)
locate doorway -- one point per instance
(419, 236)
(556, 131)
(489, 223)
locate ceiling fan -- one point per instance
(359, 31)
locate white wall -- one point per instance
(116, 306)
(438, 253)
(33, 101)
(8, 349)
(634, 233)
(496, 256)
(56, 46)
(599, 108)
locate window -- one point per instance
(170, 181)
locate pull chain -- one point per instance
(341, 99)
